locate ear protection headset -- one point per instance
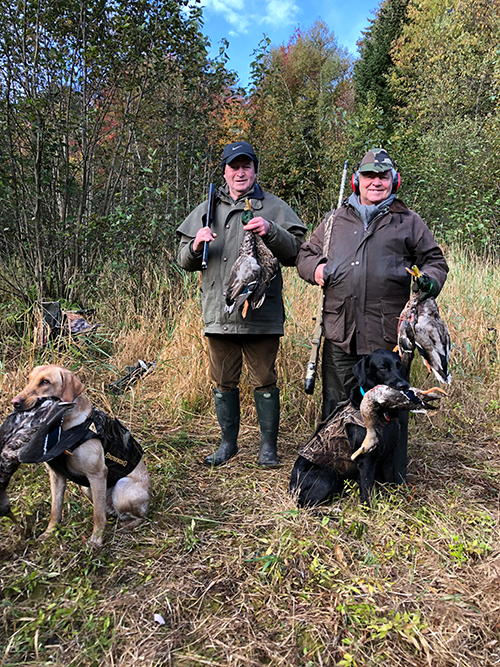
(396, 181)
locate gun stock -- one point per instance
(210, 215)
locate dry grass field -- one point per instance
(227, 571)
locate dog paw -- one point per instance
(46, 534)
(130, 524)
(96, 541)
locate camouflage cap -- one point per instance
(376, 160)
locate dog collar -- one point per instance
(362, 391)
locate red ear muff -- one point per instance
(355, 182)
(396, 181)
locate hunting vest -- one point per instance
(330, 446)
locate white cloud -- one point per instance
(280, 12)
(220, 7)
(243, 14)
(233, 11)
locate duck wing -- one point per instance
(382, 398)
(269, 268)
(25, 434)
(432, 339)
(406, 324)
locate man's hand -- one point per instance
(203, 234)
(258, 226)
(319, 275)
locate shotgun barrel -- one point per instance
(208, 222)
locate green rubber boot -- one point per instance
(267, 404)
(227, 409)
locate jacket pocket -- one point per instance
(390, 319)
(209, 302)
(335, 323)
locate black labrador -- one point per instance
(325, 461)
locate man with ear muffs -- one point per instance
(374, 238)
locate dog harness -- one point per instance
(122, 452)
(330, 446)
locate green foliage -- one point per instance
(373, 68)
(105, 110)
(463, 550)
(446, 59)
(456, 190)
(301, 92)
(427, 87)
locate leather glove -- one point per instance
(427, 287)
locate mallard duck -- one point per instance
(382, 398)
(252, 272)
(24, 430)
(420, 326)
(406, 331)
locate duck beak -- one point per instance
(413, 271)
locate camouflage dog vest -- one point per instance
(330, 446)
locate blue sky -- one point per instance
(244, 22)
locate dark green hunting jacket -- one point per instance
(285, 237)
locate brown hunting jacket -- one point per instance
(366, 282)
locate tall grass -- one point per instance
(164, 324)
(237, 574)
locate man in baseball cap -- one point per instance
(374, 239)
(232, 335)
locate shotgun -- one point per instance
(210, 214)
(312, 364)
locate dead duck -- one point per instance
(382, 398)
(421, 327)
(23, 431)
(252, 272)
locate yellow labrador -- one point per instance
(129, 496)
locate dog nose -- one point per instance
(17, 402)
(403, 384)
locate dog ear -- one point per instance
(360, 371)
(72, 387)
